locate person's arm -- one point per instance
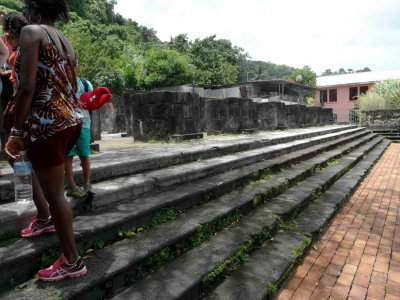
(90, 86)
(3, 53)
(30, 43)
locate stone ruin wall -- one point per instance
(381, 119)
(160, 115)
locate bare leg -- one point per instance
(69, 173)
(85, 162)
(40, 201)
(52, 182)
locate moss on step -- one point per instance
(231, 264)
(9, 234)
(297, 253)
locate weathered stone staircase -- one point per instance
(390, 134)
(218, 219)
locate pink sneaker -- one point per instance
(61, 269)
(38, 227)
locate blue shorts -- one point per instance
(82, 147)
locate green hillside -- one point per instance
(122, 54)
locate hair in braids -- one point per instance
(56, 10)
(13, 23)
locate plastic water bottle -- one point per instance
(23, 179)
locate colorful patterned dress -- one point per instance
(55, 106)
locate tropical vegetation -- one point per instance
(122, 54)
(385, 95)
(329, 72)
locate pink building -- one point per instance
(340, 92)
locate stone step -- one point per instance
(126, 189)
(183, 278)
(267, 268)
(132, 161)
(121, 258)
(104, 225)
(393, 138)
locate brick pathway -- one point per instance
(358, 256)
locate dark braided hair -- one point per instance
(13, 23)
(56, 10)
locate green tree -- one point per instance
(123, 54)
(180, 43)
(260, 73)
(79, 7)
(308, 77)
(248, 69)
(97, 50)
(327, 72)
(216, 61)
(304, 76)
(164, 67)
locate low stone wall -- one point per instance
(113, 115)
(381, 119)
(326, 116)
(271, 115)
(230, 115)
(96, 125)
(159, 115)
(295, 115)
(313, 116)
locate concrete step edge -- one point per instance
(161, 159)
(15, 216)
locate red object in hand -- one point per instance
(96, 98)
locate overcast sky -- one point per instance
(320, 33)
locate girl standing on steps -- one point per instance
(46, 97)
(12, 26)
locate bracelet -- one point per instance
(17, 132)
(15, 137)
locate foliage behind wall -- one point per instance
(121, 54)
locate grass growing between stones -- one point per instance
(234, 261)
(48, 258)
(204, 233)
(297, 253)
(9, 234)
(207, 231)
(231, 264)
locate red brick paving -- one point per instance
(358, 256)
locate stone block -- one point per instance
(293, 116)
(302, 115)
(282, 115)
(313, 116)
(158, 115)
(268, 115)
(96, 125)
(326, 115)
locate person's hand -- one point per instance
(5, 72)
(13, 146)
